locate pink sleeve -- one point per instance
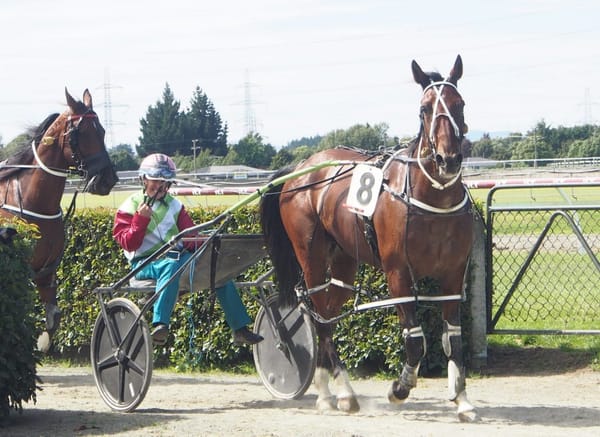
(129, 230)
(184, 221)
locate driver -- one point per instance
(147, 220)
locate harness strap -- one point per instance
(26, 212)
(60, 174)
(383, 303)
(426, 207)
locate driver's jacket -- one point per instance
(141, 236)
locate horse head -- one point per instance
(81, 139)
(442, 122)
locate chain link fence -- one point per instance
(543, 274)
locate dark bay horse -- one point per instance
(33, 180)
(421, 227)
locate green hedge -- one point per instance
(200, 338)
(18, 357)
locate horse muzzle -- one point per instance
(102, 183)
(448, 166)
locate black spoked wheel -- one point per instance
(122, 373)
(286, 358)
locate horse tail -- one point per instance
(283, 257)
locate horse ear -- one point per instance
(87, 99)
(457, 71)
(420, 77)
(70, 101)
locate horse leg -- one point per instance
(328, 304)
(328, 363)
(452, 345)
(416, 348)
(47, 290)
(346, 398)
(325, 399)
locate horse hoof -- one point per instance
(467, 413)
(465, 410)
(397, 394)
(325, 404)
(468, 416)
(348, 404)
(44, 342)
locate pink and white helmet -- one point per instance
(158, 166)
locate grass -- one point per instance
(542, 353)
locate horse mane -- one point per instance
(24, 153)
(434, 76)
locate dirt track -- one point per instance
(556, 404)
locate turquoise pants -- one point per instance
(163, 269)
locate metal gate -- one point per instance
(542, 269)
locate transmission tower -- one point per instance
(108, 105)
(249, 106)
(587, 107)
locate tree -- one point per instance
(162, 127)
(304, 141)
(16, 144)
(253, 152)
(532, 148)
(365, 137)
(123, 158)
(281, 159)
(584, 148)
(204, 127)
(483, 148)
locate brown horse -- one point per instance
(421, 227)
(32, 184)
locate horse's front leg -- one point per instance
(416, 348)
(329, 363)
(452, 344)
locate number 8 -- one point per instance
(364, 193)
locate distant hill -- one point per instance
(477, 134)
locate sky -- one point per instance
(300, 68)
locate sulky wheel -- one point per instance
(286, 358)
(122, 373)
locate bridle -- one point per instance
(86, 167)
(438, 87)
(399, 155)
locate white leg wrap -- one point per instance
(449, 332)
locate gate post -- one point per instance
(478, 296)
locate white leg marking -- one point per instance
(324, 396)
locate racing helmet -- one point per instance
(158, 166)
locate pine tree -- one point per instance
(203, 124)
(162, 130)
